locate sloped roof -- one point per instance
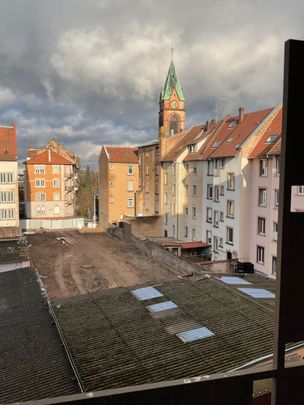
(117, 342)
(231, 133)
(8, 143)
(184, 138)
(172, 83)
(269, 138)
(121, 154)
(48, 157)
(33, 362)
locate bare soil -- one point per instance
(82, 263)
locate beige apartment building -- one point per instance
(9, 202)
(118, 183)
(51, 175)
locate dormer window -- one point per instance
(271, 138)
(192, 148)
(229, 140)
(232, 124)
(216, 144)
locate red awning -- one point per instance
(193, 245)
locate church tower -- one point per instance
(171, 105)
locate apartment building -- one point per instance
(9, 201)
(118, 182)
(226, 196)
(182, 185)
(147, 195)
(51, 176)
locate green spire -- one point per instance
(172, 83)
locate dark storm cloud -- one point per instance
(89, 72)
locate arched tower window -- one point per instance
(174, 125)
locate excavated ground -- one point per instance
(71, 263)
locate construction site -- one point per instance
(72, 263)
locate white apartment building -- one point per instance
(9, 201)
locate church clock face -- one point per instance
(174, 104)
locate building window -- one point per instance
(186, 232)
(221, 242)
(56, 183)
(229, 235)
(6, 177)
(111, 183)
(39, 182)
(173, 189)
(187, 167)
(173, 209)
(260, 254)
(186, 211)
(230, 208)
(209, 215)
(56, 210)
(56, 196)
(192, 148)
(262, 197)
(261, 226)
(147, 170)
(301, 190)
(209, 237)
(40, 196)
(173, 169)
(7, 196)
(210, 168)
(193, 234)
(173, 230)
(209, 191)
(111, 167)
(55, 169)
(215, 243)
(263, 167)
(221, 216)
(274, 265)
(276, 198)
(277, 165)
(39, 169)
(222, 163)
(130, 186)
(166, 218)
(130, 169)
(230, 181)
(166, 178)
(215, 219)
(7, 213)
(165, 198)
(193, 212)
(130, 203)
(216, 193)
(187, 189)
(194, 189)
(194, 170)
(111, 200)
(222, 190)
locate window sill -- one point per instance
(229, 243)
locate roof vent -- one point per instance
(271, 138)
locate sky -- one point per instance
(89, 72)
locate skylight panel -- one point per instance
(229, 140)
(146, 293)
(233, 280)
(216, 144)
(195, 334)
(271, 138)
(162, 306)
(257, 292)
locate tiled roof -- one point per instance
(185, 138)
(117, 342)
(121, 154)
(33, 364)
(270, 137)
(8, 143)
(48, 157)
(231, 134)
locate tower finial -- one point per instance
(172, 51)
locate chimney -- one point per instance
(241, 114)
(49, 155)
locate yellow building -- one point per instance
(118, 182)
